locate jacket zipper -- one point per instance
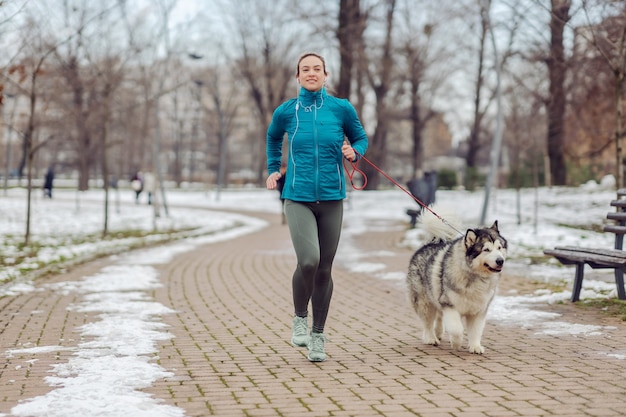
(317, 153)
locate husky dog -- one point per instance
(453, 279)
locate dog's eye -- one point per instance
(486, 250)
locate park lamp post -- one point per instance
(496, 145)
(195, 128)
(195, 134)
(7, 155)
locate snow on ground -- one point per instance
(105, 376)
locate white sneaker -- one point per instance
(316, 347)
(300, 332)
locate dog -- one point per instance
(453, 279)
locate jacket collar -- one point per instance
(309, 97)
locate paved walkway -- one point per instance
(231, 354)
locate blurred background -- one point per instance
(521, 93)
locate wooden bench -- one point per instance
(599, 258)
(414, 214)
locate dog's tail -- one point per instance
(435, 227)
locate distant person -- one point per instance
(113, 182)
(47, 183)
(149, 185)
(136, 183)
(316, 125)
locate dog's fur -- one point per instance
(452, 280)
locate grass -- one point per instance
(610, 306)
(25, 259)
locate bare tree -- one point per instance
(30, 148)
(556, 102)
(31, 69)
(417, 54)
(475, 142)
(477, 67)
(223, 108)
(609, 39)
(111, 68)
(81, 28)
(380, 78)
(261, 56)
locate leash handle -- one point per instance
(355, 169)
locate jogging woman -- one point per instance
(317, 126)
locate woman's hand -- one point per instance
(272, 179)
(348, 152)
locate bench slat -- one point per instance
(591, 259)
(567, 259)
(613, 228)
(621, 192)
(618, 215)
(578, 256)
(598, 251)
(619, 203)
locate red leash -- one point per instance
(383, 173)
(394, 182)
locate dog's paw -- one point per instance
(430, 339)
(478, 349)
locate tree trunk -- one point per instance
(106, 111)
(619, 162)
(417, 157)
(556, 103)
(29, 153)
(84, 160)
(417, 124)
(376, 153)
(347, 35)
(473, 146)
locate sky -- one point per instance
(108, 372)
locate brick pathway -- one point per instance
(231, 354)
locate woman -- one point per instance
(316, 125)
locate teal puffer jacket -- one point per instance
(316, 125)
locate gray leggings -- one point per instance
(315, 229)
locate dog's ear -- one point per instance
(470, 238)
(494, 226)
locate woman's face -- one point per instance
(311, 73)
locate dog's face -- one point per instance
(485, 249)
